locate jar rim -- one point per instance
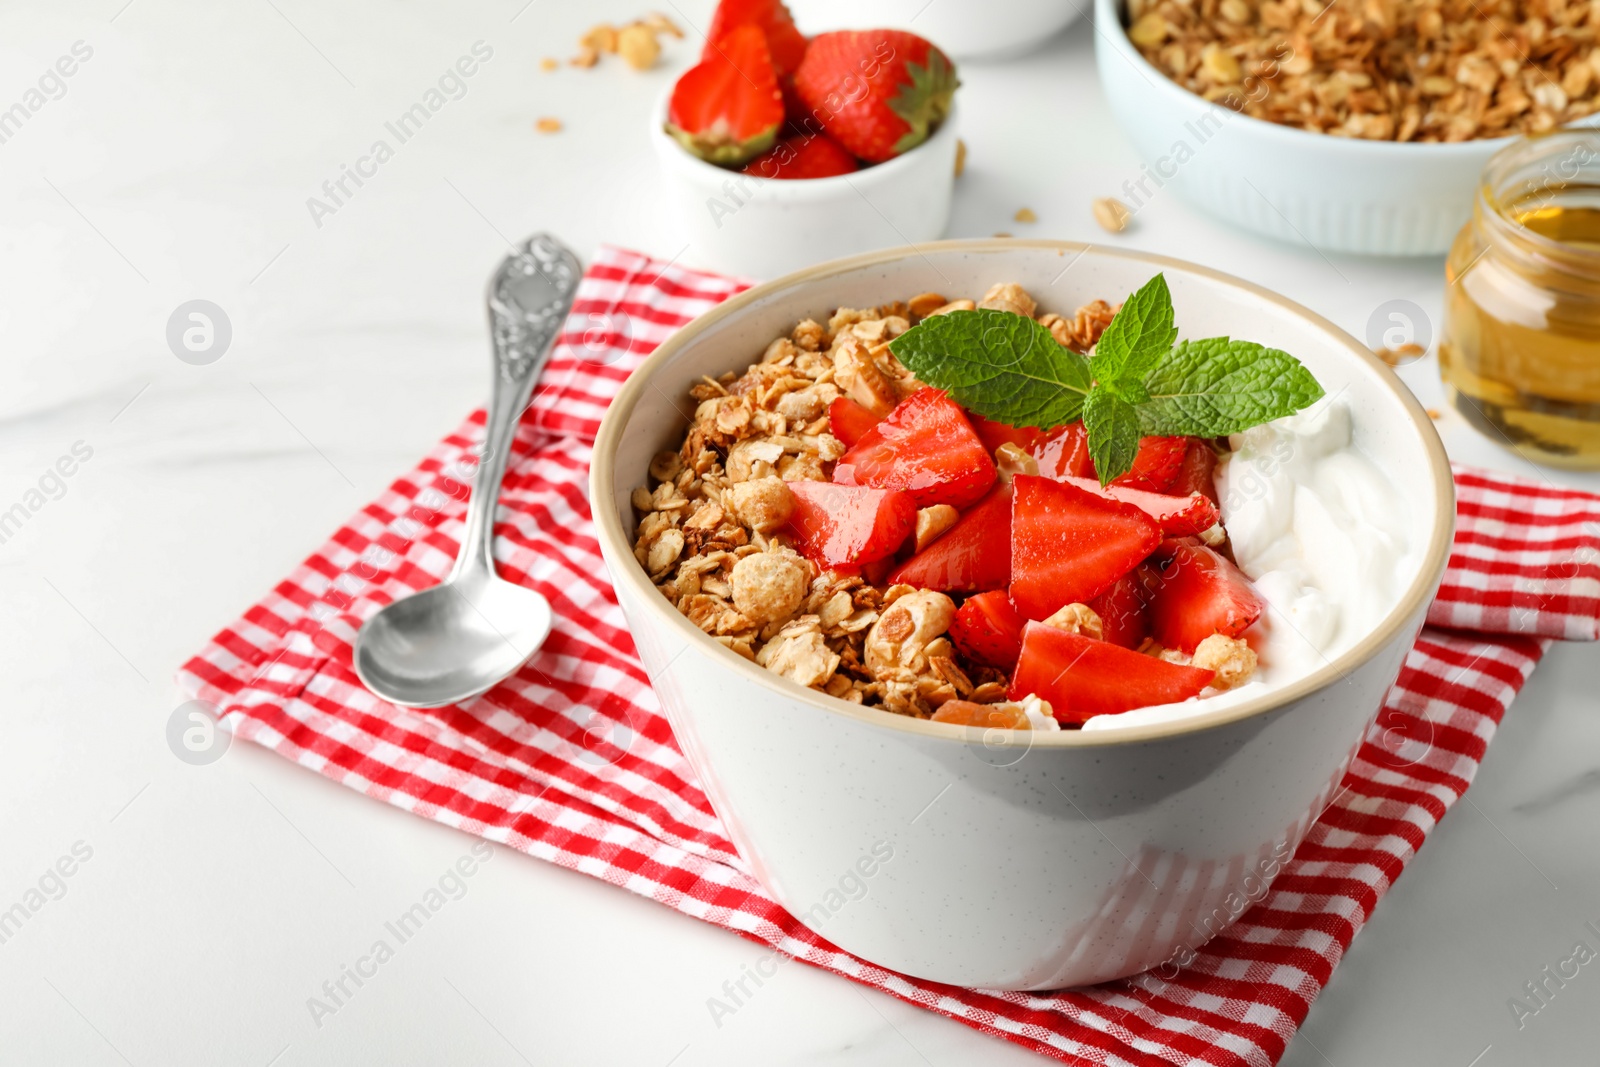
(1507, 172)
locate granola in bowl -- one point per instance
(878, 508)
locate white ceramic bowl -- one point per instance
(1336, 194)
(1012, 860)
(963, 29)
(764, 227)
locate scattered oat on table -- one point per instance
(1435, 414)
(548, 125)
(1112, 214)
(1001, 233)
(1400, 355)
(961, 156)
(549, 63)
(661, 24)
(1385, 70)
(586, 57)
(1025, 214)
(637, 45)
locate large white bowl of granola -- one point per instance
(1326, 128)
(1101, 783)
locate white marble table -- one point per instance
(175, 164)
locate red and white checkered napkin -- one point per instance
(572, 760)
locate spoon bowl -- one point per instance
(459, 639)
(452, 642)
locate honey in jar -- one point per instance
(1520, 347)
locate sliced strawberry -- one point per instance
(1122, 611)
(727, 109)
(1156, 464)
(1064, 452)
(877, 92)
(927, 448)
(994, 434)
(846, 525)
(803, 156)
(971, 556)
(1197, 473)
(1197, 593)
(1082, 677)
(1178, 516)
(988, 630)
(850, 420)
(786, 43)
(1069, 545)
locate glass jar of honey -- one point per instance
(1520, 346)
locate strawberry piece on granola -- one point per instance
(727, 109)
(972, 556)
(1196, 593)
(1178, 516)
(1197, 473)
(786, 43)
(1082, 677)
(1124, 619)
(849, 420)
(1069, 545)
(877, 92)
(846, 525)
(1064, 453)
(925, 447)
(994, 434)
(803, 156)
(988, 630)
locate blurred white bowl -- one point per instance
(963, 29)
(764, 227)
(1336, 194)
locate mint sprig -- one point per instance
(1012, 370)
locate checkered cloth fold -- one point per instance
(572, 760)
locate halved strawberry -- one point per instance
(846, 525)
(994, 434)
(850, 420)
(727, 108)
(927, 448)
(1122, 611)
(877, 92)
(1196, 593)
(988, 630)
(1082, 677)
(1156, 464)
(1069, 545)
(1064, 453)
(1178, 516)
(787, 44)
(971, 556)
(1197, 473)
(803, 156)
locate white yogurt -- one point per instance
(1322, 534)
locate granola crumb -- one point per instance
(1435, 414)
(661, 24)
(769, 586)
(586, 57)
(1231, 657)
(1112, 214)
(1025, 214)
(763, 504)
(934, 521)
(637, 45)
(1009, 296)
(961, 156)
(549, 63)
(1078, 619)
(600, 38)
(924, 305)
(1001, 233)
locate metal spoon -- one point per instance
(449, 643)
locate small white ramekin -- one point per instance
(764, 227)
(963, 29)
(1336, 194)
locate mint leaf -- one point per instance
(1113, 427)
(1139, 336)
(1218, 386)
(999, 365)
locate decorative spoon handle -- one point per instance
(529, 297)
